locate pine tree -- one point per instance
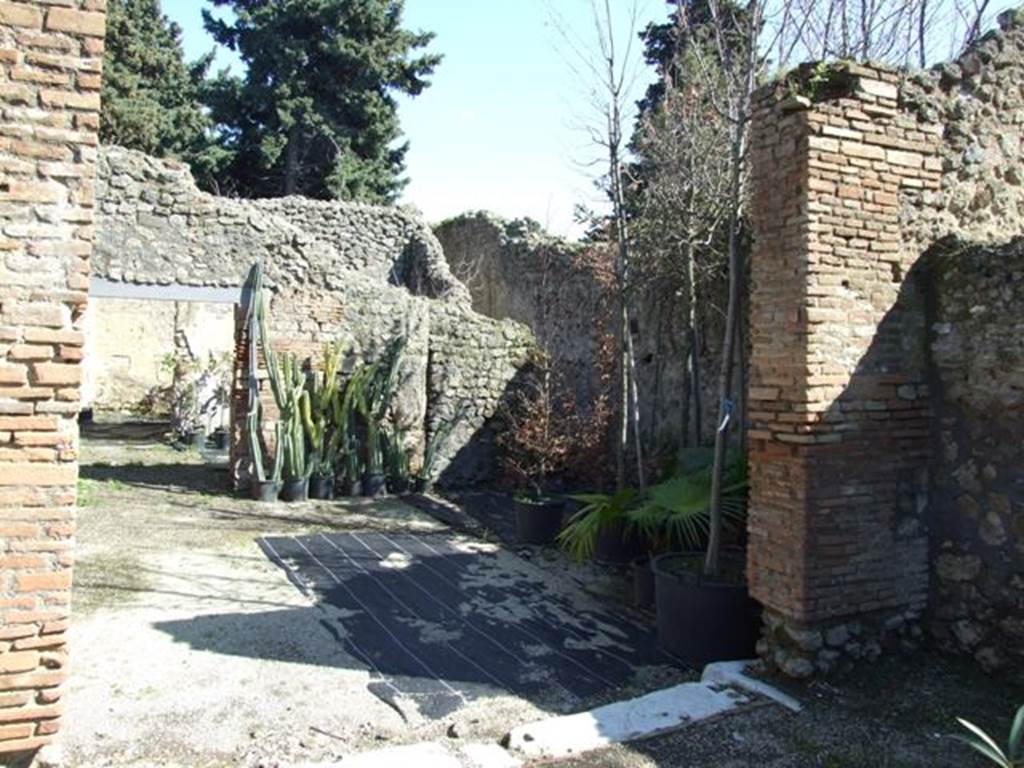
(315, 113)
(150, 96)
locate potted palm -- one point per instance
(598, 528)
(701, 617)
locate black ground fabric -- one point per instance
(435, 618)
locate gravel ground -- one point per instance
(168, 568)
(191, 648)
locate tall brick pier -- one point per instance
(50, 65)
(839, 394)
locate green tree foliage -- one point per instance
(151, 99)
(315, 113)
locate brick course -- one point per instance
(50, 59)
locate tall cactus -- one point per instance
(254, 420)
(319, 413)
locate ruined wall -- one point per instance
(976, 320)
(885, 385)
(130, 339)
(564, 292)
(336, 271)
(978, 101)
(50, 62)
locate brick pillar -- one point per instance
(838, 400)
(50, 61)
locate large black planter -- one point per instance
(614, 545)
(220, 439)
(267, 491)
(539, 522)
(700, 620)
(321, 487)
(295, 490)
(420, 485)
(354, 488)
(643, 582)
(374, 485)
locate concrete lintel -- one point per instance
(103, 288)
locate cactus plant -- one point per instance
(256, 323)
(320, 414)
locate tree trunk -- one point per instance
(291, 162)
(634, 404)
(738, 109)
(694, 356)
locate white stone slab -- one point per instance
(623, 721)
(487, 756)
(734, 673)
(418, 755)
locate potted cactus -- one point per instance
(263, 488)
(289, 384)
(375, 388)
(319, 415)
(424, 479)
(397, 460)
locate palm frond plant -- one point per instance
(599, 513)
(983, 744)
(676, 513)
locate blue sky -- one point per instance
(500, 127)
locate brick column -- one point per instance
(838, 400)
(50, 61)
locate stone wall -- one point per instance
(355, 273)
(50, 62)
(564, 292)
(976, 320)
(128, 341)
(885, 478)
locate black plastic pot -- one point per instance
(539, 522)
(420, 485)
(398, 485)
(700, 620)
(614, 545)
(220, 439)
(354, 488)
(374, 485)
(266, 491)
(321, 487)
(295, 490)
(643, 582)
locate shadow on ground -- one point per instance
(431, 621)
(198, 478)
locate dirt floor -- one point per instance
(191, 647)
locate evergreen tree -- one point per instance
(315, 113)
(150, 96)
